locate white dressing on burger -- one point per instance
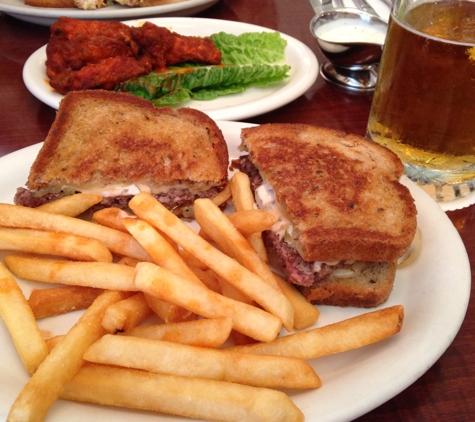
(267, 201)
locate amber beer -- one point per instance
(424, 103)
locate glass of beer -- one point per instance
(424, 102)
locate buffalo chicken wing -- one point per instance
(100, 55)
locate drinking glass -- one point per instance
(424, 103)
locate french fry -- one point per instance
(31, 218)
(60, 300)
(201, 332)
(243, 199)
(228, 238)
(190, 397)
(206, 236)
(228, 290)
(71, 205)
(169, 312)
(252, 221)
(44, 387)
(199, 362)
(102, 275)
(126, 314)
(191, 261)
(158, 248)
(165, 285)
(67, 245)
(21, 323)
(127, 260)
(257, 243)
(111, 217)
(209, 278)
(52, 342)
(339, 337)
(165, 255)
(223, 196)
(241, 339)
(305, 314)
(214, 222)
(149, 209)
(218, 200)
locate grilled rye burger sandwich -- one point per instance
(343, 217)
(117, 144)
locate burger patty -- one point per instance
(244, 164)
(174, 198)
(300, 272)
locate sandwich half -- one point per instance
(344, 218)
(117, 144)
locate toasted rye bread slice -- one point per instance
(341, 191)
(103, 138)
(369, 288)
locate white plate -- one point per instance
(253, 101)
(47, 16)
(434, 292)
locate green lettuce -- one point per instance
(250, 47)
(250, 59)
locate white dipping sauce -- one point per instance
(351, 30)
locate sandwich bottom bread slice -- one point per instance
(361, 284)
(371, 287)
(343, 217)
(116, 145)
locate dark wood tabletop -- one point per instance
(446, 392)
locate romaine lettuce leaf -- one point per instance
(247, 60)
(250, 47)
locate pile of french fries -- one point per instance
(232, 334)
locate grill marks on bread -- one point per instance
(342, 191)
(102, 137)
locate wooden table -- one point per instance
(446, 391)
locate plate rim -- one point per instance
(300, 81)
(426, 353)
(103, 13)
